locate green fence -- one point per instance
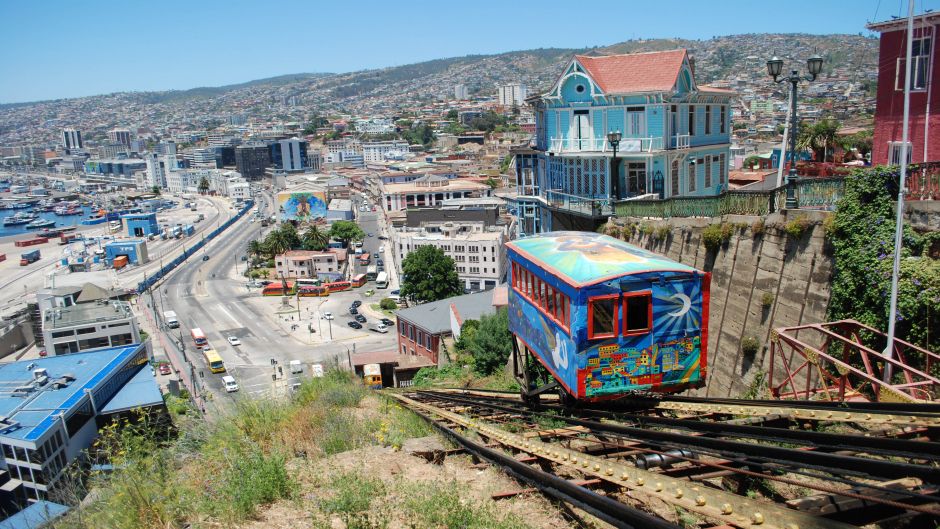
(811, 193)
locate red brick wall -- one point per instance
(419, 343)
(890, 103)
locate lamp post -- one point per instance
(774, 69)
(613, 138)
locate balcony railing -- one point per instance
(680, 141)
(586, 206)
(627, 145)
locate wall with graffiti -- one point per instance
(302, 206)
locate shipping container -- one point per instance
(29, 257)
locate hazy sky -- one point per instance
(52, 49)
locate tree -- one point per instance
(492, 182)
(451, 115)
(256, 248)
(315, 239)
(429, 275)
(388, 304)
(751, 161)
(819, 137)
(281, 240)
(860, 141)
(491, 344)
(346, 231)
(204, 185)
(421, 134)
(155, 190)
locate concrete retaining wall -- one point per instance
(794, 272)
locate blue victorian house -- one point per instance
(673, 140)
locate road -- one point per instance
(212, 295)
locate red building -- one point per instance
(924, 132)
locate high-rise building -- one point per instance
(122, 136)
(156, 171)
(166, 147)
(460, 91)
(290, 154)
(512, 94)
(72, 139)
(203, 158)
(252, 159)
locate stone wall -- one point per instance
(792, 274)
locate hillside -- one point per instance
(293, 97)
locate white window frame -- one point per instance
(894, 152)
(921, 60)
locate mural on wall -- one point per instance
(668, 356)
(302, 206)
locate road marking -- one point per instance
(229, 314)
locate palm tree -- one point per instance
(315, 238)
(204, 185)
(820, 138)
(255, 248)
(276, 243)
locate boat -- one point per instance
(40, 223)
(18, 219)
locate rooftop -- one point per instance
(434, 317)
(635, 72)
(36, 409)
(35, 515)
(61, 317)
(585, 258)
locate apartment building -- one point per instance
(87, 326)
(512, 94)
(299, 264)
(378, 151)
(477, 249)
(374, 126)
(429, 190)
(121, 136)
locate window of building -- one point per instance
(692, 120)
(637, 313)
(721, 169)
(402, 325)
(62, 334)
(636, 178)
(474, 258)
(920, 65)
(86, 330)
(894, 152)
(427, 342)
(411, 332)
(723, 119)
(66, 348)
(602, 317)
(708, 119)
(474, 269)
(708, 172)
(675, 178)
(691, 187)
(94, 343)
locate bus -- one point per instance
(338, 285)
(199, 337)
(277, 289)
(308, 281)
(365, 259)
(307, 291)
(381, 280)
(371, 273)
(213, 361)
(359, 280)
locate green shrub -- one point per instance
(662, 232)
(250, 479)
(796, 227)
(766, 300)
(352, 493)
(714, 236)
(388, 304)
(750, 346)
(647, 229)
(446, 505)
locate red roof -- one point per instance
(635, 72)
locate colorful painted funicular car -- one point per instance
(605, 318)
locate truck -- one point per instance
(189, 230)
(379, 327)
(176, 232)
(29, 257)
(170, 318)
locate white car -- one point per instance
(327, 316)
(230, 384)
(233, 340)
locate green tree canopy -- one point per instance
(491, 343)
(820, 137)
(420, 134)
(346, 231)
(751, 161)
(282, 239)
(451, 115)
(429, 275)
(155, 190)
(315, 239)
(204, 185)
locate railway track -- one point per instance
(733, 463)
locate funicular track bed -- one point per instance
(739, 464)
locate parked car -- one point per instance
(387, 322)
(205, 257)
(353, 311)
(379, 262)
(233, 340)
(379, 328)
(369, 234)
(165, 369)
(375, 255)
(360, 318)
(383, 238)
(354, 324)
(327, 316)
(357, 303)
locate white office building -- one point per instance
(378, 151)
(203, 158)
(375, 126)
(512, 94)
(477, 249)
(88, 326)
(460, 92)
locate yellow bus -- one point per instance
(213, 361)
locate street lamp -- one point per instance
(774, 69)
(613, 138)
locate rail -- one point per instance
(586, 206)
(652, 458)
(601, 145)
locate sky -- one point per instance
(53, 49)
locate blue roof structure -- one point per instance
(139, 392)
(35, 515)
(37, 410)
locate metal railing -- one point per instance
(923, 181)
(587, 206)
(680, 141)
(626, 146)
